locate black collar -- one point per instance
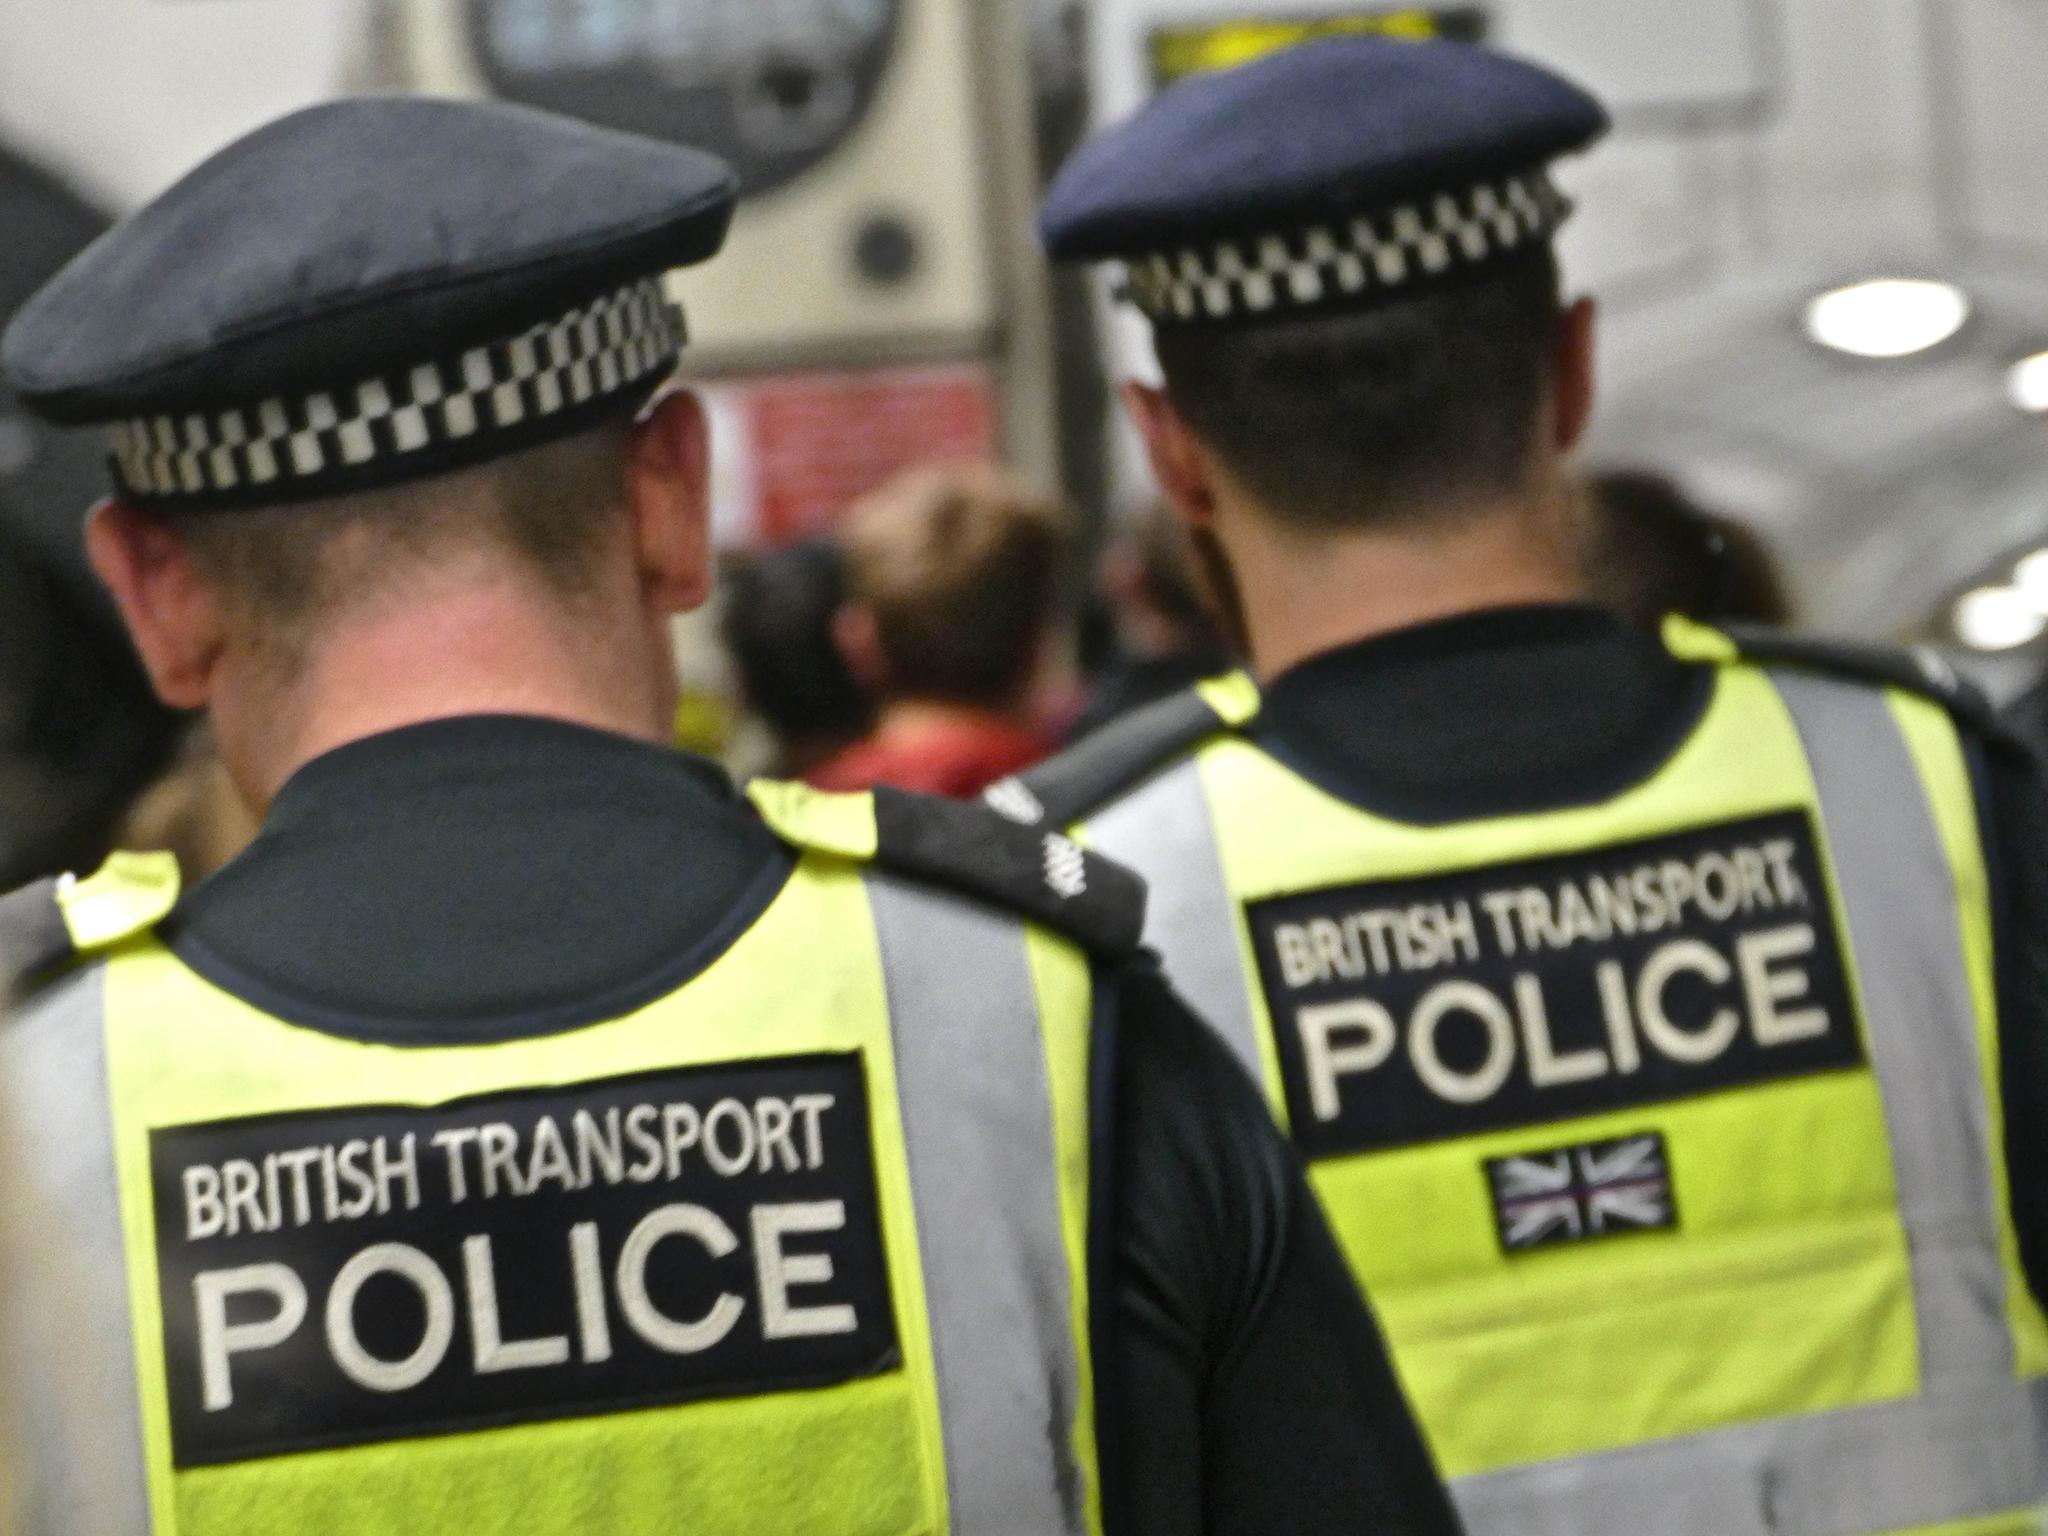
(1501, 712)
(482, 877)
(493, 750)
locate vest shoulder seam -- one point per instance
(540, 1020)
(1103, 766)
(1913, 670)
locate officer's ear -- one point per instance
(1573, 371)
(668, 486)
(1179, 462)
(174, 615)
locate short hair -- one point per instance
(962, 568)
(1366, 418)
(1654, 551)
(552, 510)
(776, 620)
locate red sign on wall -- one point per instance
(818, 441)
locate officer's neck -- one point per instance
(1305, 593)
(493, 649)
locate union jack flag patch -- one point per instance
(1578, 1193)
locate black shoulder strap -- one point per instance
(1038, 873)
(34, 941)
(2027, 718)
(1088, 775)
(1914, 669)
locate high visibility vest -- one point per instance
(797, 1247)
(1664, 1131)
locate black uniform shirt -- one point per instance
(1521, 710)
(482, 876)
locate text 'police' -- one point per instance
(1514, 995)
(352, 1275)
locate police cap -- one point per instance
(1333, 175)
(368, 292)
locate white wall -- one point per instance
(123, 96)
(1905, 139)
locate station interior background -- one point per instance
(1820, 235)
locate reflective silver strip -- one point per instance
(1166, 831)
(32, 933)
(69, 1405)
(1975, 1442)
(984, 1172)
(1853, 1472)
(1900, 897)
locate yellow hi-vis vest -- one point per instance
(1663, 1131)
(797, 1247)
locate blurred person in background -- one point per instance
(1652, 550)
(1664, 1018)
(777, 617)
(80, 732)
(1168, 635)
(525, 1134)
(954, 620)
(192, 811)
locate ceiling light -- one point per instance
(1887, 317)
(1997, 619)
(2030, 577)
(2027, 383)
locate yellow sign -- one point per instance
(1178, 52)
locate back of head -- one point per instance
(777, 623)
(333, 390)
(1363, 418)
(1344, 250)
(960, 568)
(546, 519)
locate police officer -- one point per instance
(525, 1135)
(1662, 1021)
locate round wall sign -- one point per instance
(772, 86)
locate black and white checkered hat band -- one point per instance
(1327, 264)
(293, 446)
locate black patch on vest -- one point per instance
(733, 1246)
(1414, 1011)
(1581, 1193)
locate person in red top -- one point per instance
(955, 620)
